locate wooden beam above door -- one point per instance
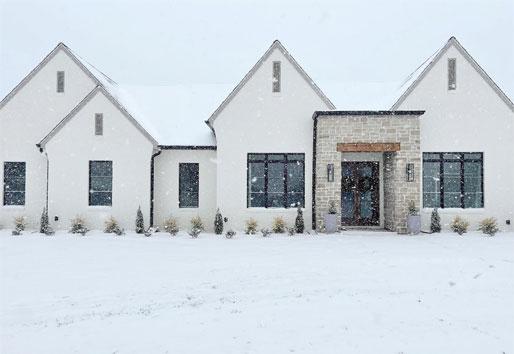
(368, 147)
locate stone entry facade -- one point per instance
(368, 131)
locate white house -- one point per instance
(74, 141)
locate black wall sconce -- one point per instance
(410, 172)
(330, 172)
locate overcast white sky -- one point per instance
(169, 42)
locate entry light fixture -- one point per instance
(330, 172)
(410, 172)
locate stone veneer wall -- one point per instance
(398, 192)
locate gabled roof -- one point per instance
(59, 47)
(275, 45)
(413, 80)
(102, 81)
(78, 107)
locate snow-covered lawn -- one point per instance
(356, 292)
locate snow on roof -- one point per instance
(409, 80)
(361, 95)
(177, 113)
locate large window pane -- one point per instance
(452, 192)
(431, 185)
(188, 185)
(256, 175)
(295, 184)
(276, 184)
(100, 183)
(14, 183)
(472, 184)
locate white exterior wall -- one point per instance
(26, 118)
(70, 151)
(260, 121)
(472, 118)
(166, 189)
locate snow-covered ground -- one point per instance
(356, 292)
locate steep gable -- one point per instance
(423, 70)
(61, 47)
(100, 89)
(275, 46)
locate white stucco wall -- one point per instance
(29, 116)
(472, 118)
(260, 121)
(70, 151)
(166, 191)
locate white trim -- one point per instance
(453, 41)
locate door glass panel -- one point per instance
(366, 211)
(347, 205)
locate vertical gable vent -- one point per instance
(99, 124)
(452, 74)
(60, 81)
(276, 76)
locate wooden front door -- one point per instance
(360, 196)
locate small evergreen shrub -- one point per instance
(279, 225)
(489, 226)
(195, 232)
(197, 223)
(44, 225)
(148, 232)
(140, 222)
(435, 221)
(412, 208)
(299, 224)
(111, 226)
(251, 226)
(218, 223)
(459, 225)
(20, 223)
(230, 234)
(332, 208)
(78, 226)
(171, 226)
(291, 231)
(265, 232)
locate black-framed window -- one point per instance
(100, 183)
(453, 180)
(275, 180)
(188, 182)
(14, 183)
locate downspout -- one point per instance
(152, 173)
(314, 135)
(41, 150)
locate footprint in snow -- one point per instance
(451, 283)
(477, 275)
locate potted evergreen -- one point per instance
(331, 218)
(413, 219)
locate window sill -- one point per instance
(455, 210)
(99, 207)
(271, 210)
(14, 207)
